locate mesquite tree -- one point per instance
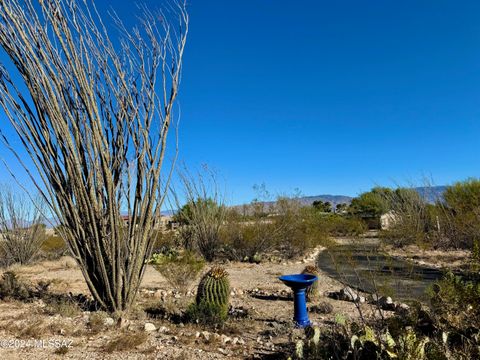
(93, 115)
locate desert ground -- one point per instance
(262, 333)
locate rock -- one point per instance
(163, 329)
(402, 309)
(386, 303)
(158, 294)
(205, 335)
(108, 321)
(197, 334)
(348, 294)
(225, 339)
(149, 327)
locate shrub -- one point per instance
(337, 225)
(54, 247)
(180, 270)
(248, 240)
(413, 219)
(126, 342)
(96, 321)
(11, 287)
(202, 216)
(21, 228)
(460, 213)
(61, 306)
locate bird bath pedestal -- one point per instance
(299, 283)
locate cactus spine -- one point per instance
(214, 288)
(312, 291)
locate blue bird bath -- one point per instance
(299, 283)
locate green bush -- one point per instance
(179, 269)
(54, 247)
(337, 225)
(460, 215)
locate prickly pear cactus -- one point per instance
(214, 288)
(312, 291)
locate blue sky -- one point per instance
(329, 96)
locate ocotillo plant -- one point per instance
(94, 115)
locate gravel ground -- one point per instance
(265, 331)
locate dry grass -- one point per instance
(96, 321)
(126, 341)
(62, 307)
(62, 350)
(28, 329)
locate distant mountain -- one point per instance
(430, 193)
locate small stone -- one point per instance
(149, 327)
(226, 339)
(206, 335)
(386, 303)
(163, 329)
(348, 294)
(402, 309)
(158, 294)
(108, 321)
(197, 334)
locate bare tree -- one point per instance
(95, 125)
(22, 231)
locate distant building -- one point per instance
(166, 222)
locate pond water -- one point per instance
(366, 268)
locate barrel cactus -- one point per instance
(312, 291)
(214, 289)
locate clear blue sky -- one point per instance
(330, 96)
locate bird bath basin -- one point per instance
(299, 283)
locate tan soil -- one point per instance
(440, 259)
(268, 326)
